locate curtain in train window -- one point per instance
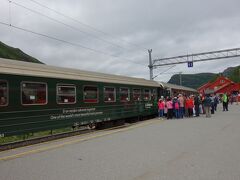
(3, 93)
(154, 94)
(34, 93)
(66, 94)
(90, 94)
(147, 94)
(124, 94)
(109, 94)
(136, 94)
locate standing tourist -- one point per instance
(161, 105)
(169, 109)
(212, 103)
(196, 104)
(181, 105)
(207, 105)
(238, 98)
(189, 106)
(216, 102)
(176, 107)
(165, 107)
(225, 102)
(185, 105)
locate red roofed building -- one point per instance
(201, 89)
(219, 86)
(229, 88)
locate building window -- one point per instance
(109, 94)
(222, 81)
(3, 93)
(124, 94)
(136, 94)
(66, 94)
(90, 94)
(34, 93)
(146, 94)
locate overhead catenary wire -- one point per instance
(66, 42)
(88, 26)
(164, 71)
(67, 25)
(72, 27)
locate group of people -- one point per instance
(188, 106)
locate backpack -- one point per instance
(176, 105)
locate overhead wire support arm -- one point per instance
(198, 57)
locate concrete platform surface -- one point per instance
(192, 148)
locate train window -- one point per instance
(124, 94)
(90, 94)
(109, 94)
(66, 94)
(34, 93)
(154, 94)
(147, 95)
(136, 94)
(3, 93)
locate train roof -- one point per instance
(174, 86)
(15, 67)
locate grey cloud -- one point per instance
(170, 28)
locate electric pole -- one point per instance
(150, 64)
(180, 78)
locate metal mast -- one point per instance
(150, 64)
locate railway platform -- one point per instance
(191, 148)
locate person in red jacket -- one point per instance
(189, 106)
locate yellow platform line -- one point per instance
(78, 140)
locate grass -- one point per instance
(10, 139)
(16, 54)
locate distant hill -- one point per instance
(235, 74)
(16, 54)
(192, 80)
(197, 80)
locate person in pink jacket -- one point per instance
(161, 105)
(181, 105)
(170, 108)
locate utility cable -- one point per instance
(64, 41)
(164, 71)
(86, 25)
(67, 25)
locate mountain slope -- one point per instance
(197, 80)
(16, 54)
(235, 74)
(192, 80)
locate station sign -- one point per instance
(190, 63)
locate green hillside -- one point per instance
(197, 80)
(192, 80)
(16, 54)
(235, 74)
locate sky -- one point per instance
(111, 36)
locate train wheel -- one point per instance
(92, 126)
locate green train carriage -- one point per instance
(36, 97)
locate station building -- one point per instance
(220, 86)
